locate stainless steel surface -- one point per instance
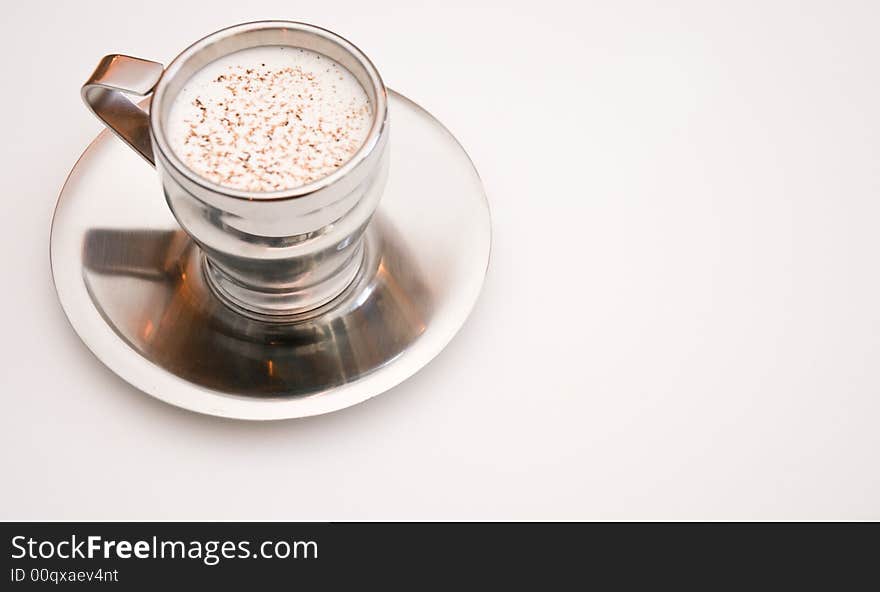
(105, 94)
(277, 254)
(131, 282)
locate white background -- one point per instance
(681, 318)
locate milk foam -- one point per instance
(268, 119)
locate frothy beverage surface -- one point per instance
(268, 119)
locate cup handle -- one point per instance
(104, 93)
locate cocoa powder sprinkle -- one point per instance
(248, 128)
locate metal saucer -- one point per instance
(131, 282)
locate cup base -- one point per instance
(133, 285)
(281, 306)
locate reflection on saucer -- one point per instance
(152, 291)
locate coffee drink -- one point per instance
(268, 119)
